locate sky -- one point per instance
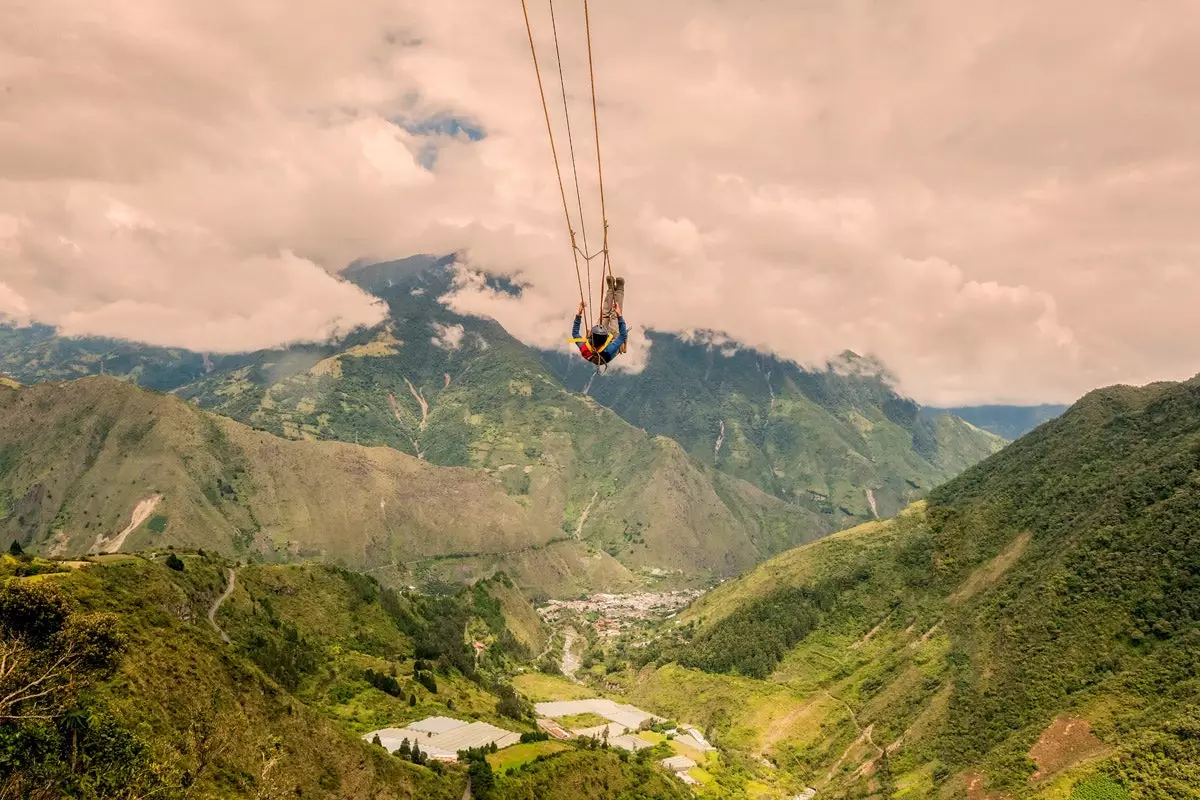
(995, 199)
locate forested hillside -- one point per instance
(838, 440)
(1034, 631)
(145, 700)
(182, 675)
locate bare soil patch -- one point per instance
(1068, 741)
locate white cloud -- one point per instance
(13, 308)
(995, 199)
(448, 337)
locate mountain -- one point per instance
(1009, 422)
(839, 441)
(99, 465)
(604, 503)
(1031, 631)
(171, 711)
(37, 353)
(179, 675)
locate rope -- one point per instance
(571, 144)
(596, 126)
(575, 251)
(554, 152)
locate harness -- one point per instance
(596, 351)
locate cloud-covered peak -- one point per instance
(994, 199)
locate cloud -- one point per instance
(448, 337)
(993, 199)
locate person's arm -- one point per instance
(578, 320)
(575, 330)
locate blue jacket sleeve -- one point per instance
(575, 330)
(614, 346)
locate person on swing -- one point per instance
(600, 346)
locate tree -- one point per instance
(483, 780)
(510, 704)
(175, 563)
(15, 549)
(883, 773)
(57, 736)
(412, 700)
(47, 652)
(376, 741)
(405, 750)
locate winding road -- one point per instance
(212, 612)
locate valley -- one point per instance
(775, 583)
(1008, 637)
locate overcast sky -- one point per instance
(998, 199)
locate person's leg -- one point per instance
(619, 299)
(606, 306)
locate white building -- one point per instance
(442, 737)
(678, 763)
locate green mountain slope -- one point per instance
(609, 505)
(81, 461)
(459, 391)
(183, 715)
(37, 353)
(1034, 631)
(839, 441)
(178, 675)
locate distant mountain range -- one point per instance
(1009, 422)
(709, 464)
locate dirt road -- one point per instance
(212, 612)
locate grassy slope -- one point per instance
(816, 438)
(489, 403)
(1052, 579)
(520, 617)
(96, 447)
(80, 456)
(196, 700)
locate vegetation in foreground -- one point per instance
(116, 685)
(145, 696)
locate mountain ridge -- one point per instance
(78, 457)
(1031, 630)
(841, 440)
